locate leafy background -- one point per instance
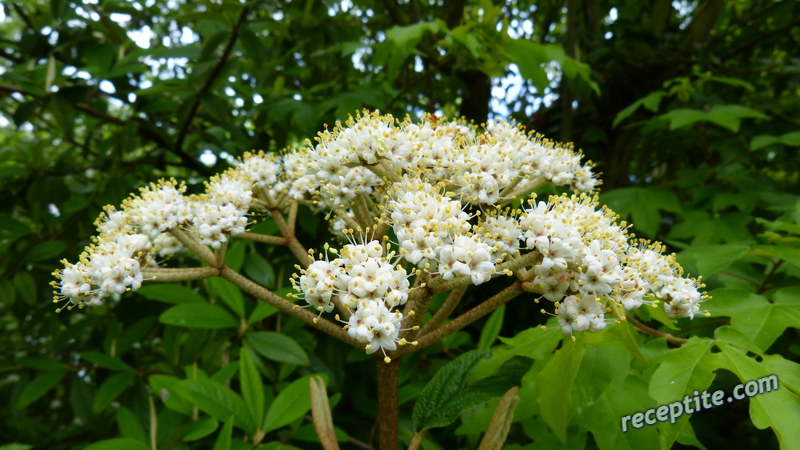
(689, 108)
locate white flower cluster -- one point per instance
(104, 269)
(353, 159)
(128, 237)
(442, 189)
(365, 282)
(587, 257)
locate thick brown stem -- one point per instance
(388, 414)
(463, 320)
(181, 274)
(286, 306)
(445, 311)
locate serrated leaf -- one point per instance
(277, 347)
(217, 400)
(198, 315)
(252, 387)
(229, 293)
(171, 293)
(293, 402)
(111, 389)
(755, 316)
(446, 397)
(39, 386)
(492, 328)
(554, 386)
(117, 444)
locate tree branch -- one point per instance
(226, 54)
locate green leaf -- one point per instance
(778, 409)
(234, 257)
(107, 361)
(277, 347)
(201, 429)
(261, 312)
(682, 371)
(788, 254)
(736, 338)
(651, 102)
(16, 447)
(492, 328)
(171, 293)
(260, 270)
(229, 293)
(162, 385)
(534, 342)
(642, 205)
(40, 363)
(223, 441)
(252, 387)
(45, 250)
(111, 389)
(217, 400)
(554, 386)
(129, 426)
(198, 315)
(25, 286)
(764, 140)
(753, 315)
(407, 37)
(39, 386)
(440, 403)
(118, 444)
(620, 400)
(529, 57)
(727, 116)
(713, 258)
(293, 402)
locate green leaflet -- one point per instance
(198, 315)
(621, 399)
(778, 409)
(682, 371)
(217, 400)
(111, 389)
(277, 347)
(755, 316)
(39, 386)
(252, 387)
(292, 403)
(554, 386)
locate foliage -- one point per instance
(690, 114)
